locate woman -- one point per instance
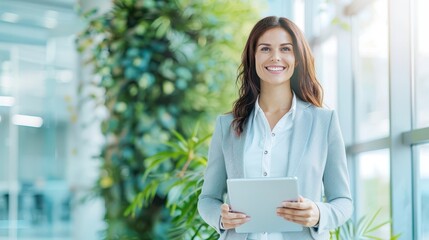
(278, 128)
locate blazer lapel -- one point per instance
(234, 150)
(300, 134)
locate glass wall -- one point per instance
(374, 188)
(35, 194)
(382, 87)
(421, 52)
(370, 32)
(326, 69)
(423, 190)
(38, 118)
(324, 16)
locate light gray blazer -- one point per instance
(317, 157)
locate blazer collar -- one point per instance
(301, 130)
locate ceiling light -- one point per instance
(26, 120)
(9, 17)
(50, 20)
(6, 101)
(64, 76)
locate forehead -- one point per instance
(275, 35)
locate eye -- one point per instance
(286, 49)
(265, 49)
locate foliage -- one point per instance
(159, 65)
(181, 178)
(363, 229)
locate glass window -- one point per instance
(6, 101)
(370, 31)
(373, 188)
(35, 196)
(278, 8)
(423, 208)
(326, 68)
(324, 15)
(421, 62)
(299, 14)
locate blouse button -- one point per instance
(265, 152)
(265, 174)
(273, 134)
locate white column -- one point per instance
(400, 70)
(87, 217)
(345, 95)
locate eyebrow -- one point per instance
(267, 44)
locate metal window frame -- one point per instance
(402, 137)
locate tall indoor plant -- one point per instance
(181, 179)
(161, 65)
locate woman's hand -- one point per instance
(303, 211)
(231, 219)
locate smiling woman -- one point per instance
(277, 128)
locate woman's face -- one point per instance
(274, 57)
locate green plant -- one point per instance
(181, 166)
(363, 229)
(158, 65)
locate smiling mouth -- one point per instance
(275, 68)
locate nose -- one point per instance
(275, 57)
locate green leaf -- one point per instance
(162, 25)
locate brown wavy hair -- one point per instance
(303, 81)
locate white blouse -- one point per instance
(266, 151)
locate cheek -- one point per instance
(259, 71)
(291, 60)
(259, 65)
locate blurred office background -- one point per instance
(371, 57)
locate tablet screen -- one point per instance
(259, 198)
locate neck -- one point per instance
(275, 98)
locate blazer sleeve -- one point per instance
(214, 186)
(338, 207)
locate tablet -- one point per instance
(259, 198)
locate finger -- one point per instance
(306, 219)
(233, 215)
(225, 207)
(308, 222)
(286, 212)
(227, 213)
(297, 205)
(228, 223)
(235, 221)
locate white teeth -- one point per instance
(275, 68)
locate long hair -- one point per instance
(303, 81)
